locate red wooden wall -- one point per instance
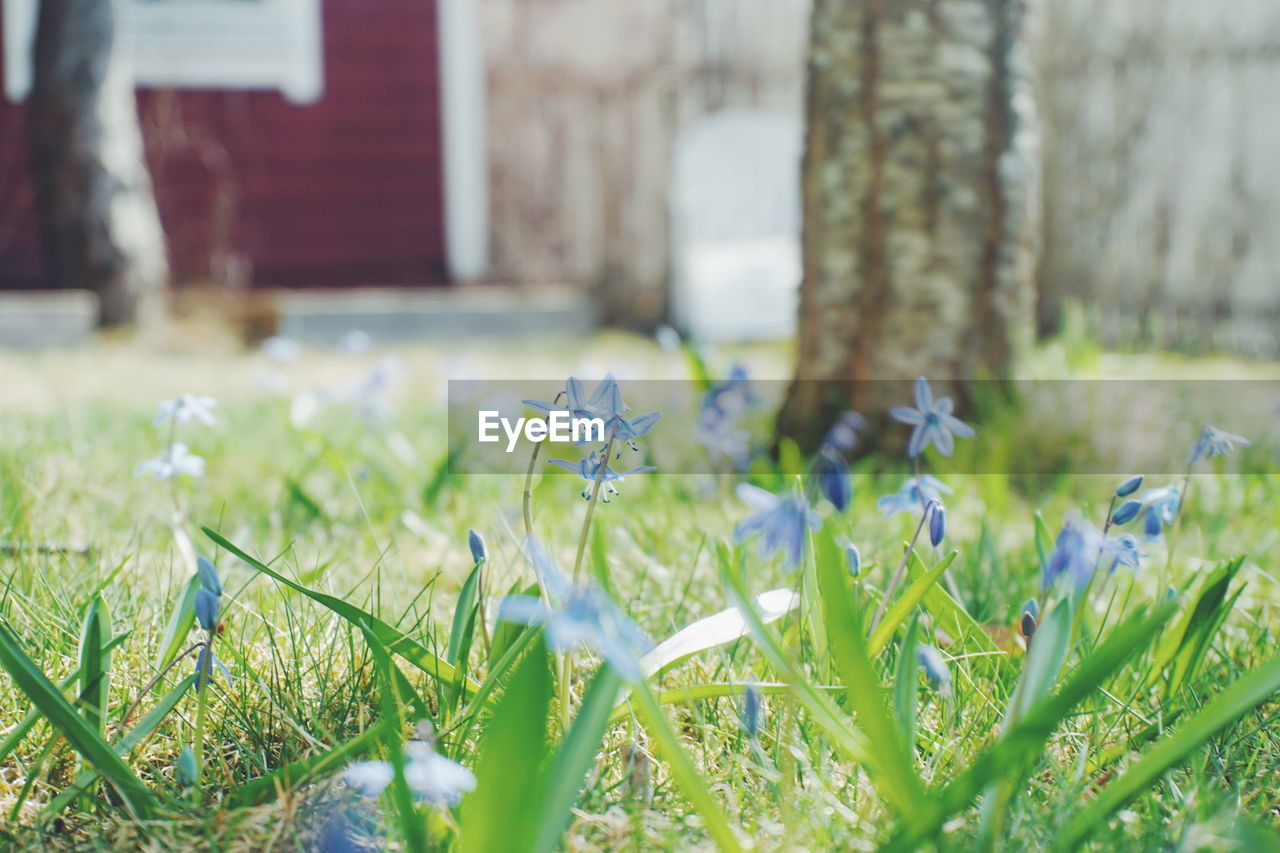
(346, 191)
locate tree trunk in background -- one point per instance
(920, 202)
(99, 226)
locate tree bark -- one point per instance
(920, 200)
(100, 229)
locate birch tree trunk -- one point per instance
(100, 229)
(920, 202)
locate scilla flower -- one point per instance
(937, 524)
(1123, 551)
(1214, 442)
(915, 493)
(186, 408)
(174, 463)
(853, 559)
(1129, 486)
(1127, 512)
(604, 403)
(202, 665)
(935, 668)
(591, 467)
(1161, 509)
(579, 616)
(751, 702)
(432, 777)
(934, 424)
(478, 551)
(833, 477)
(1075, 554)
(781, 521)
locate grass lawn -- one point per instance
(1142, 718)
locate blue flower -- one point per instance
(914, 495)
(843, 434)
(206, 607)
(176, 462)
(721, 410)
(186, 408)
(202, 664)
(1123, 551)
(1129, 486)
(579, 616)
(1127, 512)
(935, 668)
(432, 777)
(937, 525)
(751, 711)
(1161, 509)
(1075, 554)
(853, 558)
(1214, 442)
(208, 575)
(590, 468)
(783, 522)
(478, 552)
(833, 477)
(604, 403)
(933, 422)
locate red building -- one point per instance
(291, 142)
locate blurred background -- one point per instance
(427, 169)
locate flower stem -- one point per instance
(202, 695)
(902, 566)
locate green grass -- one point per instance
(1096, 746)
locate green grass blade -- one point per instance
(132, 739)
(906, 684)
(683, 771)
(901, 609)
(561, 782)
(179, 626)
(28, 722)
(1026, 737)
(95, 664)
(267, 788)
(1240, 698)
(892, 765)
(825, 712)
(63, 717)
(502, 812)
(395, 642)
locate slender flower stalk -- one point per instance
(902, 566)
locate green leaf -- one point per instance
(1024, 740)
(412, 826)
(28, 722)
(179, 627)
(683, 771)
(293, 775)
(502, 812)
(560, 784)
(901, 609)
(824, 711)
(906, 683)
(952, 618)
(1227, 706)
(95, 664)
(892, 766)
(83, 738)
(395, 642)
(132, 739)
(1185, 646)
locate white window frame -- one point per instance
(273, 45)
